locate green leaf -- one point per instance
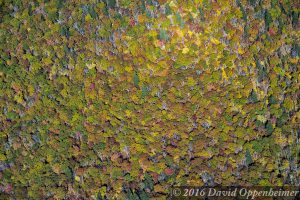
(253, 97)
(136, 79)
(163, 35)
(248, 158)
(269, 127)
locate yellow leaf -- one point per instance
(180, 33)
(198, 42)
(103, 190)
(288, 75)
(77, 178)
(185, 50)
(294, 60)
(19, 98)
(88, 17)
(30, 90)
(205, 154)
(128, 113)
(215, 41)
(128, 69)
(241, 51)
(159, 188)
(261, 118)
(191, 81)
(91, 66)
(172, 4)
(47, 61)
(49, 158)
(224, 75)
(2, 157)
(194, 15)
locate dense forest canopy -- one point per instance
(122, 99)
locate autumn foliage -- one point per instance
(122, 99)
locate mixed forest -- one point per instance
(123, 99)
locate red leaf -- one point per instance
(169, 171)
